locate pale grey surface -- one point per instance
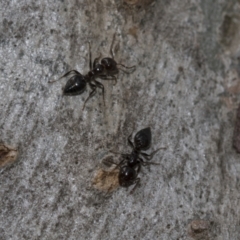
(186, 88)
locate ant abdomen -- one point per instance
(142, 139)
(75, 85)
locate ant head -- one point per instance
(109, 64)
(127, 176)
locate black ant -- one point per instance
(105, 70)
(131, 164)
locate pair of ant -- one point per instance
(131, 164)
(105, 70)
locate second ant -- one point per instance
(130, 165)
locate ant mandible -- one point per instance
(131, 164)
(106, 70)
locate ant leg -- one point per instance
(137, 181)
(98, 84)
(123, 154)
(90, 56)
(147, 163)
(70, 72)
(150, 163)
(108, 77)
(149, 156)
(108, 161)
(104, 161)
(129, 140)
(91, 94)
(139, 168)
(117, 164)
(126, 66)
(96, 60)
(111, 47)
(66, 74)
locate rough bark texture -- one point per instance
(236, 135)
(186, 88)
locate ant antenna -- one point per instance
(111, 48)
(90, 56)
(134, 68)
(65, 75)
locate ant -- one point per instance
(131, 164)
(106, 70)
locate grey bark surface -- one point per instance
(186, 88)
